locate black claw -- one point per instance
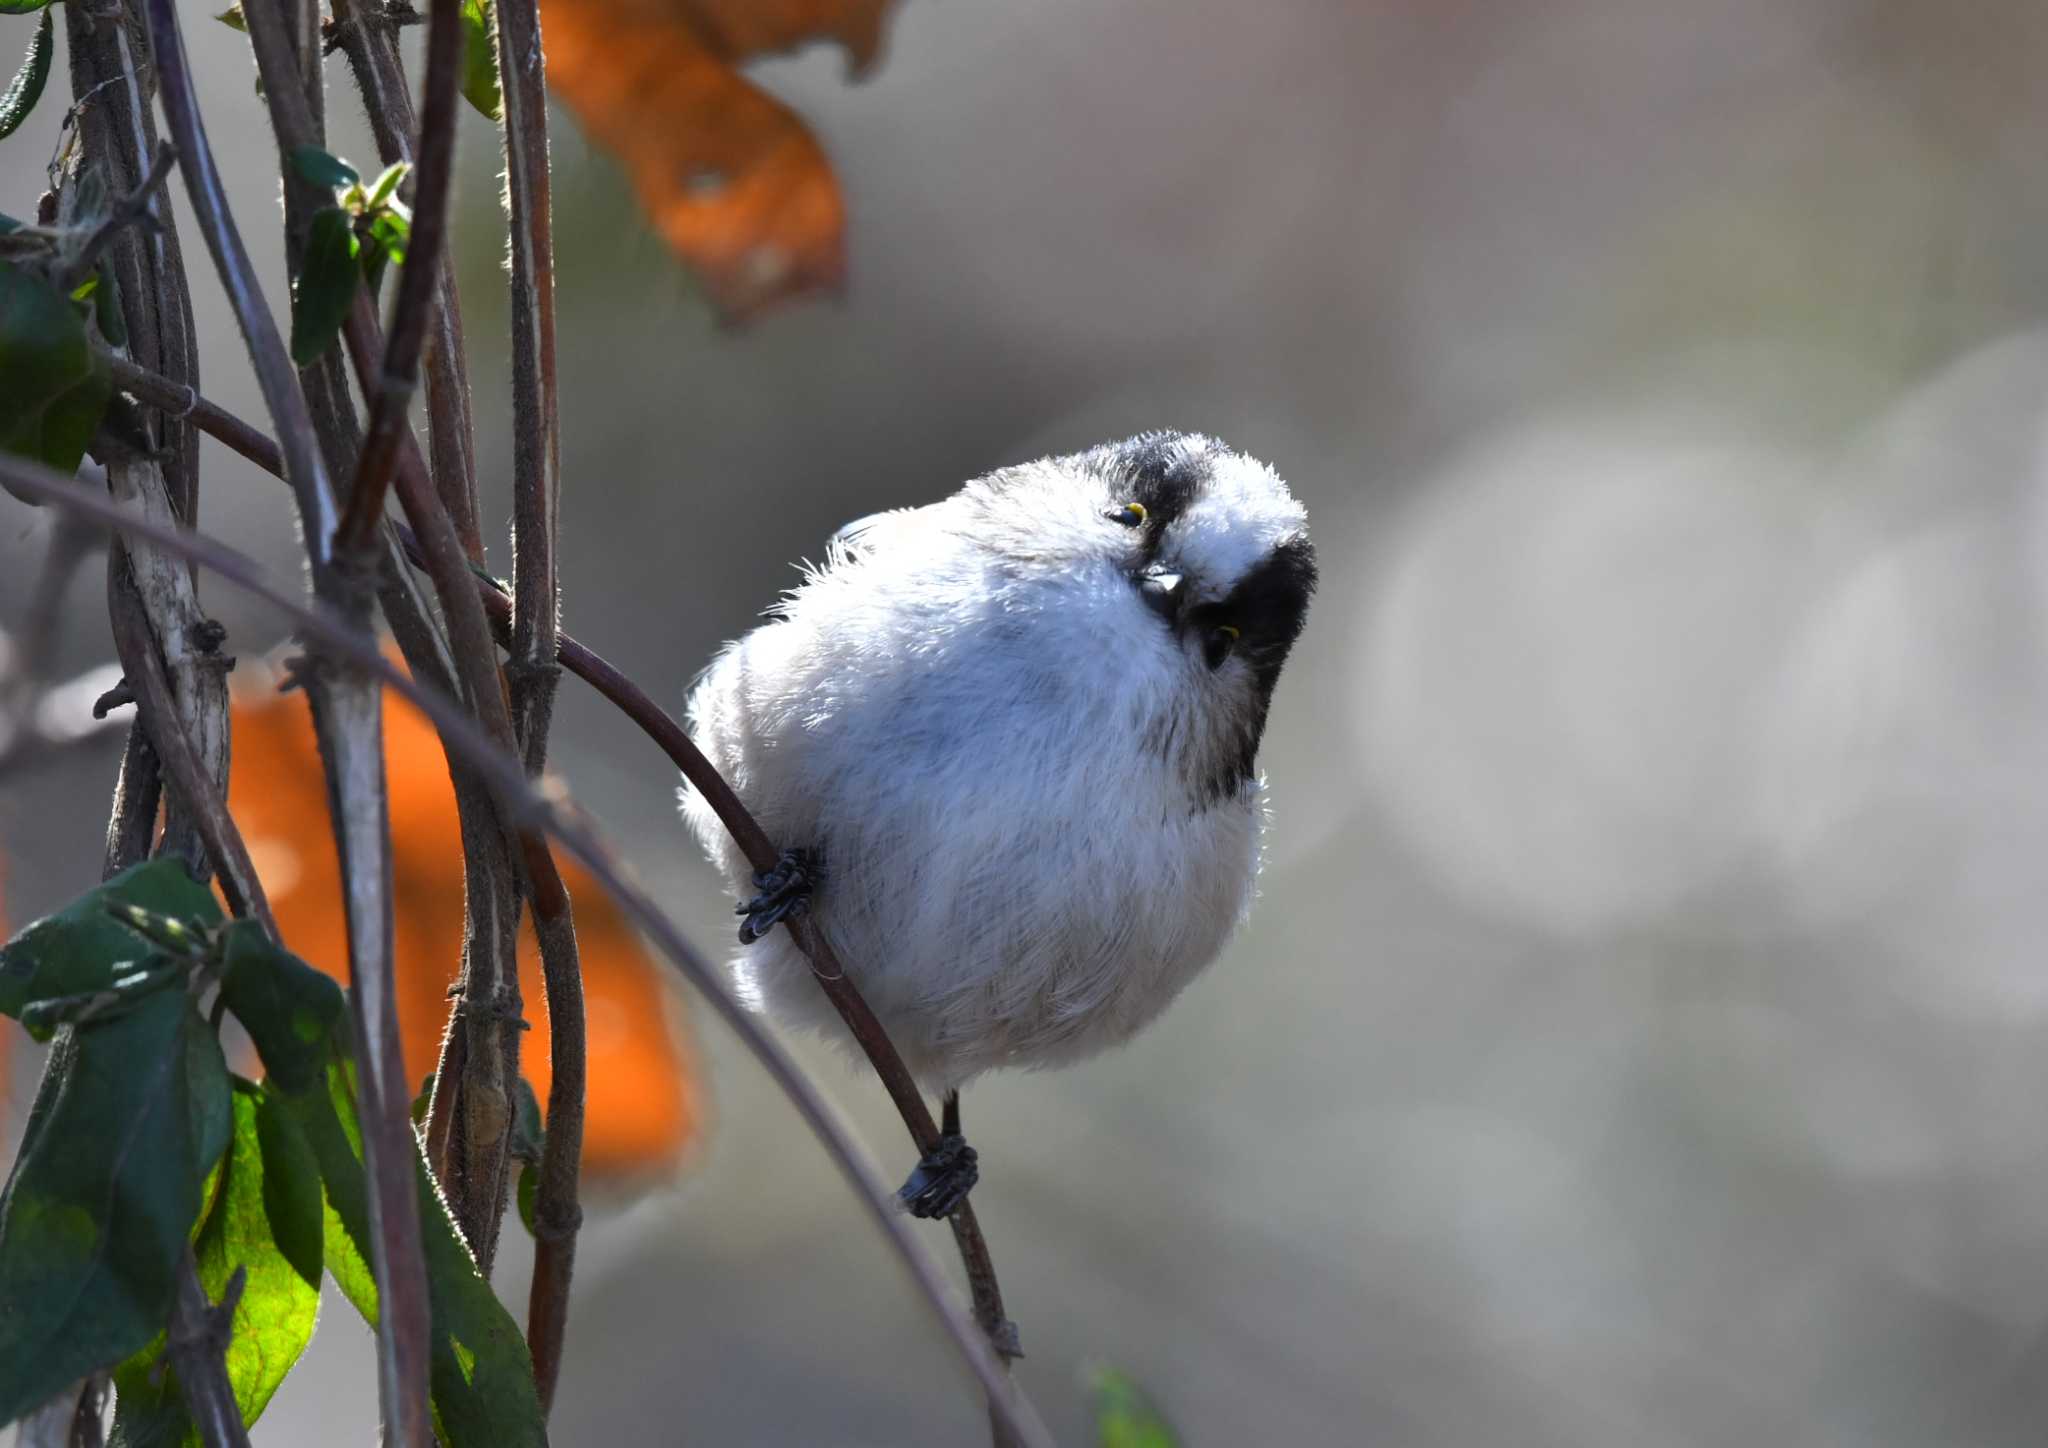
(785, 894)
(942, 1179)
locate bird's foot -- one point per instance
(785, 894)
(942, 1179)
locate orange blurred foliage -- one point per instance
(732, 179)
(644, 1104)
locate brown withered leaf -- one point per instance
(643, 1105)
(731, 178)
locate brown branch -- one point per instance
(534, 672)
(194, 790)
(347, 716)
(180, 401)
(412, 309)
(368, 35)
(550, 810)
(487, 1006)
(196, 1343)
(303, 469)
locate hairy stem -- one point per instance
(346, 705)
(413, 308)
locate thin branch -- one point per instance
(303, 468)
(478, 1175)
(533, 670)
(178, 400)
(196, 1343)
(368, 33)
(412, 309)
(347, 718)
(550, 810)
(195, 791)
(137, 208)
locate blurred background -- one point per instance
(1642, 1033)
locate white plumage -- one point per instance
(1028, 780)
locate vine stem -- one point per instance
(549, 809)
(347, 708)
(412, 310)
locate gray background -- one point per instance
(1642, 1033)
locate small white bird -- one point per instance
(1009, 741)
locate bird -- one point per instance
(1008, 745)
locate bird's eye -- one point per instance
(1218, 643)
(1131, 515)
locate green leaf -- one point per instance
(84, 948)
(289, 1009)
(233, 19)
(323, 168)
(27, 86)
(265, 1223)
(482, 1373)
(1125, 1416)
(387, 183)
(390, 234)
(132, 1114)
(53, 387)
(325, 289)
(528, 1133)
(480, 60)
(21, 7)
(106, 309)
(528, 1196)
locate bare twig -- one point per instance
(194, 790)
(137, 208)
(196, 1344)
(303, 468)
(533, 670)
(179, 400)
(550, 811)
(476, 1171)
(367, 31)
(412, 310)
(347, 718)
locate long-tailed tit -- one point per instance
(1010, 741)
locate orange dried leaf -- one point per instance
(731, 178)
(643, 1105)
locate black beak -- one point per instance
(1161, 590)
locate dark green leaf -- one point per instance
(1125, 1416)
(529, 1195)
(83, 948)
(289, 1009)
(132, 1114)
(425, 1099)
(53, 387)
(265, 1223)
(21, 7)
(480, 60)
(482, 1374)
(27, 87)
(528, 1134)
(106, 303)
(323, 168)
(326, 288)
(387, 183)
(233, 18)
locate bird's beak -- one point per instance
(1161, 590)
